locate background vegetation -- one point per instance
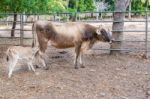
(71, 6)
(47, 6)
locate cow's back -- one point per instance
(63, 35)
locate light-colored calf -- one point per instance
(28, 54)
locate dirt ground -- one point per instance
(125, 76)
(105, 77)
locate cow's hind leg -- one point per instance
(77, 51)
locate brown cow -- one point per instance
(70, 34)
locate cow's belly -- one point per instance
(61, 44)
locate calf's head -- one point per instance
(104, 35)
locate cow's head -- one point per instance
(104, 35)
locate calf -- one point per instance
(28, 54)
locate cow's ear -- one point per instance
(98, 31)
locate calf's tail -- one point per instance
(7, 55)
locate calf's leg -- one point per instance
(12, 65)
(31, 66)
(42, 61)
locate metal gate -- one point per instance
(138, 25)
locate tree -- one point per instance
(81, 6)
(57, 6)
(22, 6)
(136, 5)
(139, 5)
(118, 24)
(101, 6)
(72, 5)
(89, 4)
(111, 4)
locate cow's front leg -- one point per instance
(81, 60)
(77, 51)
(43, 43)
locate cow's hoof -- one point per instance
(36, 66)
(76, 67)
(46, 68)
(82, 66)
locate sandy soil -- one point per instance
(125, 76)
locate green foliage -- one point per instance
(81, 6)
(45, 6)
(57, 6)
(137, 5)
(89, 4)
(72, 4)
(111, 3)
(19, 6)
(140, 5)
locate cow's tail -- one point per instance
(7, 55)
(7, 58)
(33, 36)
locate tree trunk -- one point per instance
(129, 14)
(73, 17)
(92, 14)
(14, 25)
(118, 26)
